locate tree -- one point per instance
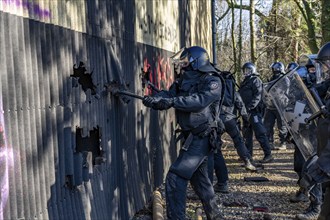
(240, 46)
(252, 37)
(310, 18)
(325, 21)
(284, 31)
(309, 9)
(233, 37)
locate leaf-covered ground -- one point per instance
(273, 194)
(243, 196)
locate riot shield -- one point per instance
(266, 97)
(295, 104)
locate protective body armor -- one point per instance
(251, 92)
(197, 99)
(193, 110)
(323, 125)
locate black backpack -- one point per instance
(229, 89)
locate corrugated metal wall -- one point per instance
(68, 148)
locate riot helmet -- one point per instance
(308, 62)
(302, 72)
(248, 69)
(307, 78)
(277, 68)
(322, 63)
(291, 66)
(195, 58)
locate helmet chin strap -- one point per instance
(187, 68)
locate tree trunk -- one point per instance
(275, 31)
(325, 21)
(309, 17)
(252, 34)
(240, 46)
(233, 40)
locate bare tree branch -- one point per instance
(246, 7)
(222, 16)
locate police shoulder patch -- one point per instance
(214, 85)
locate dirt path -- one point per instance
(238, 203)
(273, 194)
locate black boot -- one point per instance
(299, 196)
(221, 187)
(311, 213)
(325, 209)
(249, 166)
(267, 159)
(213, 210)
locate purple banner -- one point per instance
(33, 8)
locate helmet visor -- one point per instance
(290, 68)
(247, 71)
(184, 61)
(180, 58)
(302, 71)
(322, 68)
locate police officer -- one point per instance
(272, 115)
(315, 194)
(318, 169)
(196, 96)
(232, 102)
(298, 158)
(291, 66)
(251, 93)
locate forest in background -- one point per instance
(265, 31)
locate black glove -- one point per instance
(246, 119)
(163, 104)
(221, 127)
(148, 101)
(306, 182)
(158, 103)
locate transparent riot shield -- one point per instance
(295, 105)
(266, 97)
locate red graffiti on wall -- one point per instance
(160, 74)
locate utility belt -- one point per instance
(227, 109)
(202, 131)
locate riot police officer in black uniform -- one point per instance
(251, 93)
(272, 115)
(300, 164)
(196, 96)
(318, 169)
(232, 103)
(291, 66)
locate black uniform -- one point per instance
(229, 117)
(318, 170)
(270, 117)
(299, 161)
(251, 93)
(196, 97)
(232, 102)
